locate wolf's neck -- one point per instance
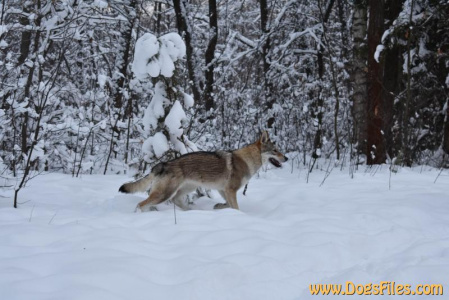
(251, 155)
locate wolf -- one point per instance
(225, 171)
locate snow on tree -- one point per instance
(164, 117)
(157, 56)
(74, 99)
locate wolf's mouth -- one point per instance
(275, 162)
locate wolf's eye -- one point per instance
(275, 151)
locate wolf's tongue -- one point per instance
(274, 162)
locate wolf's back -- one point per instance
(140, 185)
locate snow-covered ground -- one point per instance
(78, 238)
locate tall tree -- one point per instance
(376, 142)
(123, 77)
(392, 78)
(446, 130)
(210, 56)
(265, 49)
(359, 73)
(184, 30)
(319, 100)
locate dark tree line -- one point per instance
(359, 81)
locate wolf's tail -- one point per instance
(140, 185)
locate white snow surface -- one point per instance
(78, 238)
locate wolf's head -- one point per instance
(269, 151)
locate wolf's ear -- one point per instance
(264, 138)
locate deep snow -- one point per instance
(78, 238)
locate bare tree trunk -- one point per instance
(343, 28)
(336, 108)
(406, 144)
(319, 103)
(359, 74)
(392, 77)
(126, 57)
(111, 148)
(184, 31)
(376, 106)
(210, 55)
(269, 101)
(134, 29)
(446, 130)
(3, 11)
(158, 13)
(83, 152)
(25, 44)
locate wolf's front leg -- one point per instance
(222, 205)
(230, 196)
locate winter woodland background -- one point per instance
(106, 85)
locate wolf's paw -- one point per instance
(145, 208)
(221, 205)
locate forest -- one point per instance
(102, 86)
(352, 97)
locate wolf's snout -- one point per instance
(285, 158)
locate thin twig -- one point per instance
(310, 169)
(23, 202)
(438, 175)
(52, 218)
(174, 212)
(442, 168)
(244, 190)
(327, 172)
(389, 179)
(31, 214)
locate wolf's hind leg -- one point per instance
(161, 191)
(178, 198)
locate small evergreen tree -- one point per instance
(164, 119)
